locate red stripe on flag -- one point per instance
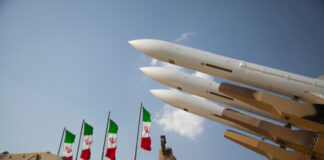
(86, 154)
(146, 143)
(111, 153)
(70, 158)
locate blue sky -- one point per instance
(66, 60)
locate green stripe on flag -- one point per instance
(69, 137)
(88, 130)
(113, 128)
(146, 115)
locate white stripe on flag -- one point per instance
(146, 129)
(112, 140)
(68, 149)
(87, 141)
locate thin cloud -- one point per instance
(181, 122)
(184, 36)
(154, 62)
(171, 66)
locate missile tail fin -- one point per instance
(268, 150)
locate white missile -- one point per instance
(300, 140)
(274, 80)
(195, 105)
(199, 86)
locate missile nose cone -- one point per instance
(156, 73)
(149, 71)
(151, 47)
(135, 43)
(144, 45)
(169, 77)
(146, 70)
(162, 94)
(157, 92)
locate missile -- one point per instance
(274, 80)
(270, 151)
(300, 114)
(196, 106)
(299, 140)
(199, 86)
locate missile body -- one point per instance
(196, 106)
(300, 114)
(274, 80)
(199, 86)
(299, 140)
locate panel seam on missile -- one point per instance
(216, 94)
(217, 67)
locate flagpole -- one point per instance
(103, 147)
(58, 152)
(138, 125)
(76, 157)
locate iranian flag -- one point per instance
(68, 145)
(112, 140)
(87, 141)
(146, 139)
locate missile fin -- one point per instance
(299, 140)
(313, 98)
(319, 146)
(270, 151)
(287, 110)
